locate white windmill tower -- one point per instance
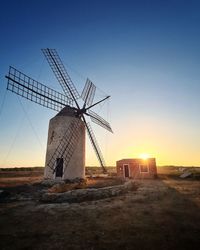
(65, 155)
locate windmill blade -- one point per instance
(61, 73)
(96, 147)
(99, 120)
(88, 92)
(34, 91)
(67, 145)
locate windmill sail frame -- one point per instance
(28, 88)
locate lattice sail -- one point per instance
(61, 73)
(88, 92)
(99, 120)
(34, 91)
(96, 147)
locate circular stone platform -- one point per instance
(87, 194)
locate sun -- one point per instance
(144, 156)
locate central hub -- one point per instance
(79, 112)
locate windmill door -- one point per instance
(59, 167)
(126, 170)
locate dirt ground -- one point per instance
(161, 214)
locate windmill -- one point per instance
(65, 154)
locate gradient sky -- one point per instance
(145, 54)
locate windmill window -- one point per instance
(144, 168)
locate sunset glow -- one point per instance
(144, 156)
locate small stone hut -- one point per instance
(137, 168)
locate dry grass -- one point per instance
(103, 182)
(12, 178)
(17, 181)
(61, 188)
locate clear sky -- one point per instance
(145, 54)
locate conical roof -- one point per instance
(67, 111)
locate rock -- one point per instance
(185, 174)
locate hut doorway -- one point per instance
(126, 170)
